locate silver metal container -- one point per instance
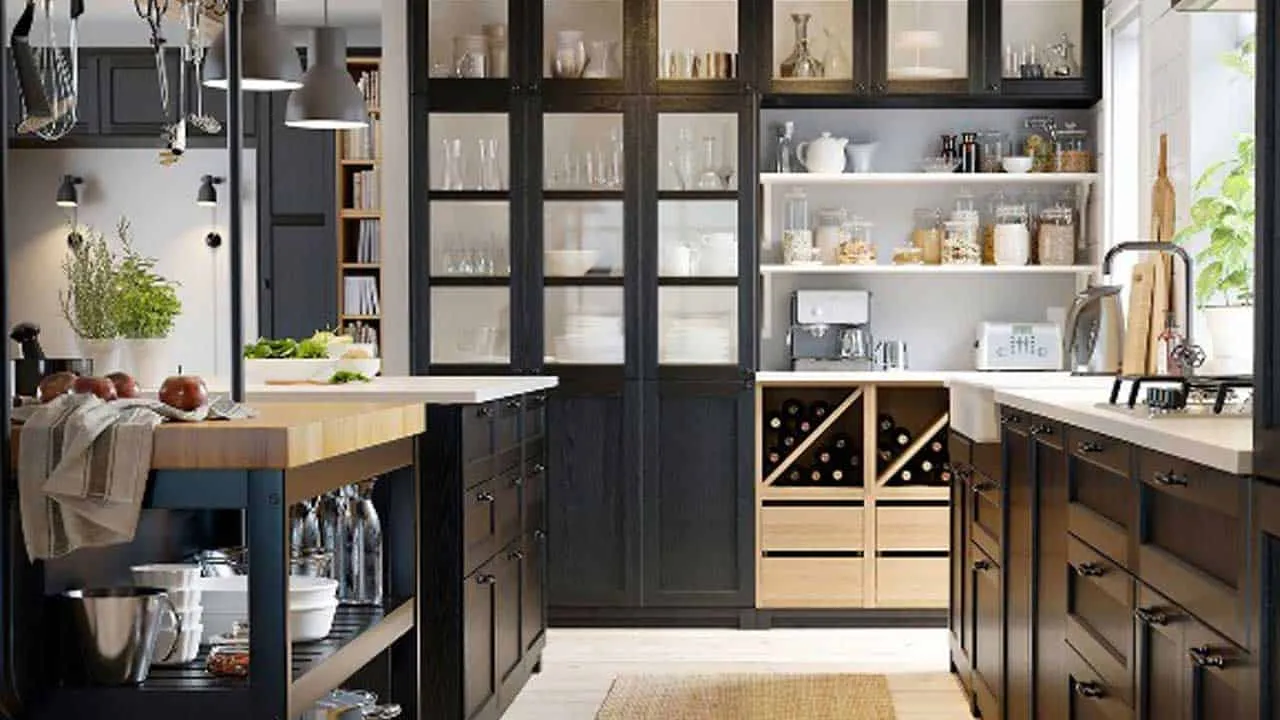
(117, 630)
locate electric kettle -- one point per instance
(1094, 338)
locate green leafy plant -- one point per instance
(1224, 212)
(147, 303)
(89, 301)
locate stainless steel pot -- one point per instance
(117, 630)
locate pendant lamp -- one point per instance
(329, 98)
(270, 61)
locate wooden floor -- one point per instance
(579, 665)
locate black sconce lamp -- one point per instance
(208, 197)
(68, 195)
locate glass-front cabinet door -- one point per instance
(1044, 47)
(469, 40)
(698, 47)
(927, 46)
(813, 47)
(585, 44)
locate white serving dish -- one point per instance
(231, 594)
(167, 576)
(569, 263)
(308, 624)
(269, 372)
(368, 367)
(187, 648)
(1016, 164)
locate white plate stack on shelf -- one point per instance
(698, 340)
(313, 602)
(590, 338)
(180, 583)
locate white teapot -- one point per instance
(824, 155)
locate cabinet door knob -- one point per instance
(486, 411)
(1088, 447)
(486, 579)
(516, 555)
(1151, 616)
(484, 497)
(1170, 479)
(981, 565)
(540, 534)
(513, 403)
(882, 88)
(860, 88)
(1203, 656)
(1011, 420)
(517, 481)
(1090, 569)
(1041, 430)
(1088, 689)
(994, 87)
(539, 468)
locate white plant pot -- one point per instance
(149, 361)
(105, 354)
(1231, 335)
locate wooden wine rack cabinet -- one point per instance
(871, 541)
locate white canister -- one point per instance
(829, 235)
(678, 260)
(1011, 242)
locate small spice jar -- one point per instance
(1038, 143)
(797, 238)
(927, 235)
(1071, 149)
(960, 243)
(1057, 239)
(1012, 235)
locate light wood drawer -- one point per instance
(912, 582)
(785, 528)
(913, 527)
(804, 582)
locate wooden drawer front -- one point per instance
(987, 460)
(988, 632)
(477, 431)
(1100, 450)
(535, 496)
(912, 582)
(1193, 545)
(535, 416)
(800, 582)
(986, 514)
(480, 523)
(959, 449)
(1223, 677)
(1102, 509)
(1049, 432)
(1092, 695)
(916, 527)
(785, 528)
(508, 508)
(1100, 597)
(506, 424)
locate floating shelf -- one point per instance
(928, 269)
(357, 214)
(923, 178)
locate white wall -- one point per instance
(167, 224)
(395, 188)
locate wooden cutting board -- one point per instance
(1159, 309)
(1164, 206)
(1138, 333)
(1164, 213)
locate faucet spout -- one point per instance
(1161, 247)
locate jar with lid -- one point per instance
(1071, 149)
(1038, 143)
(797, 238)
(470, 56)
(1012, 235)
(829, 234)
(991, 150)
(1057, 238)
(989, 228)
(856, 248)
(927, 235)
(960, 243)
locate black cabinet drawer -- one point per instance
(1102, 507)
(506, 424)
(477, 442)
(535, 495)
(1092, 694)
(1101, 450)
(988, 636)
(1048, 432)
(986, 513)
(507, 507)
(506, 610)
(1100, 604)
(480, 523)
(535, 415)
(533, 604)
(479, 683)
(1193, 541)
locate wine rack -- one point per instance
(874, 534)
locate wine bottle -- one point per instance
(796, 475)
(905, 475)
(792, 408)
(773, 457)
(926, 466)
(885, 455)
(824, 456)
(805, 426)
(774, 421)
(790, 441)
(836, 475)
(885, 423)
(901, 437)
(819, 410)
(842, 444)
(937, 447)
(817, 476)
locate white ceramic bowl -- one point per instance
(308, 624)
(272, 372)
(337, 350)
(1016, 164)
(365, 366)
(169, 576)
(231, 594)
(569, 263)
(186, 649)
(185, 599)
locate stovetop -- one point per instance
(1165, 396)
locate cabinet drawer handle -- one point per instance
(1041, 429)
(1170, 479)
(981, 565)
(1090, 569)
(484, 497)
(486, 579)
(1011, 420)
(1151, 616)
(1204, 657)
(1088, 447)
(538, 468)
(517, 481)
(539, 534)
(1089, 689)
(485, 412)
(516, 555)
(514, 403)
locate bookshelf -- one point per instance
(359, 203)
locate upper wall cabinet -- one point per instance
(926, 47)
(1045, 48)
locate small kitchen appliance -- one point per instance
(1094, 343)
(831, 330)
(1018, 346)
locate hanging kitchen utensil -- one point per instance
(152, 12)
(175, 134)
(48, 74)
(193, 52)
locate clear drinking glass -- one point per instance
(682, 165)
(332, 508)
(490, 172)
(451, 175)
(346, 530)
(615, 158)
(366, 549)
(710, 177)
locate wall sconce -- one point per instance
(207, 196)
(69, 197)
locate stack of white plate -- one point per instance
(591, 338)
(313, 602)
(179, 581)
(698, 340)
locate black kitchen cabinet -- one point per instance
(959, 608)
(988, 636)
(1050, 579)
(477, 641)
(508, 644)
(533, 593)
(1265, 554)
(130, 92)
(1018, 563)
(87, 99)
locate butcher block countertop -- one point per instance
(284, 435)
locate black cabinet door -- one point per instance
(1051, 581)
(533, 596)
(87, 97)
(1160, 677)
(300, 287)
(479, 684)
(988, 633)
(130, 87)
(593, 490)
(1018, 565)
(1266, 577)
(698, 514)
(955, 614)
(507, 642)
(302, 167)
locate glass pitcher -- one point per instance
(366, 548)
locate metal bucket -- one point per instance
(117, 630)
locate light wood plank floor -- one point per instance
(579, 664)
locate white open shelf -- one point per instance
(927, 269)
(923, 178)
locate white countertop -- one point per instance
(833, 377)
(1225, 443)
(426, 389)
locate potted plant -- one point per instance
(147, 306)
(89, 300)
(1223, 214)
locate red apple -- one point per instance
(184, 392)
(126, 386)
(55, 385)
(99, 386)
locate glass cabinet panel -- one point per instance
(583, 151)
(582, 239)
(469, 152)
(813, 40)
(1040, 39)
(697, 238)
(468, 39)
(470, 239)
(584, 326)
(928, 40)
(582, 39)
(471, 326)
(697, 39)
(697, 326)
(697, 152)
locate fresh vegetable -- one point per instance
(315, 347)
(343, 377)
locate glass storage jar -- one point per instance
(470, 56)
(960, 243)
(856, 247)
(797, 238)
(1037, 144)
(1057, 238)
(927, 235)
(1071, 149)
(1012, 235)
(829, 234)
(908, 255)
(991, 150)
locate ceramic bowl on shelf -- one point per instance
(939, 165)
(313, 622)
(569, 263)
(1016, 164)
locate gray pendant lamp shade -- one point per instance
(68, 196)
(329, 98)
(270, 62)
(207, 195)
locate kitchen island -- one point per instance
(1108, 563)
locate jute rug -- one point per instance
(748, 697)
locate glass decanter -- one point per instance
(801, 63)
(835, 60)
(709, 179)
(366, 549)
(304, 526)
(331, 511)
(682, 164)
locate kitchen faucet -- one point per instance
(1189, 355)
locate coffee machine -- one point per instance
(831, 330)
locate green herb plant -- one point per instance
(89, 301)
(1224, 210)
(147, 304)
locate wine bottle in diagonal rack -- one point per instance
(842, 444)
(774, 421)
(792, 409)
(819, 410)
(772, 458)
